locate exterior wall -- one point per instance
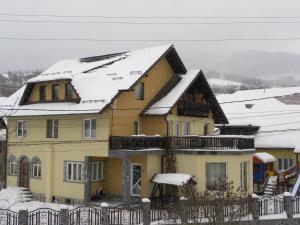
(152, 125)
(279, 153)
(34, 97)
(69, 146)
(195, 165)
(123, 120)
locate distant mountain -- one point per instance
(261, 64)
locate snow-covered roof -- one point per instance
(97, 80)
(278, 119)
(178, 179)
(265, 157)
(164, 105)
(221, 82)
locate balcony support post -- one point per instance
(126, 180)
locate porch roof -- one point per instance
(177, 179)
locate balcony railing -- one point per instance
(192, 109)
(187, 142)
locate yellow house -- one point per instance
(109, 122)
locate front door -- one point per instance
(24, 173)
(136, 179)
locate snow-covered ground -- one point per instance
(10, 198)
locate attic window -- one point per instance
(249, 106)
(139, 91)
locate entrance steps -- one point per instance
(25, 195)
(271, 186)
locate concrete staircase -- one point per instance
(25, 195)
(271, 186)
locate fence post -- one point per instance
(23, 217)
(288, 204)
(64, 216)
(104, 214)
(255, 207)
(183, 207)
(146, 211)
(219, 211)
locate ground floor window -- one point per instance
(216, 176)
(284, 163)
(244, 175)
(12, 165)
(136, 179)
(74, 171)
(97, 171)
(36, 167)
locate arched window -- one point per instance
(12, 165)
(36, 168)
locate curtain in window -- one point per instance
(215, 175)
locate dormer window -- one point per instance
(55, 92)
(42, 93)
(69, 91)
(139, 91)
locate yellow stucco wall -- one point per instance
(280, 153)
(195, 165)
(123, 120)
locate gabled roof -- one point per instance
(277, 118)
(194, 77)
(97, 80)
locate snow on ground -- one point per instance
(10, 198)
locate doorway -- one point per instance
(24, 172)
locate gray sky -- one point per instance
(42, 54)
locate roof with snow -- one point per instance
(276, 111)
(265, 157)
(97, 80)
(177, 179)
(175, 89)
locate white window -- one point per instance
(170, 128)
(89, 128)
(284, 163)
(74, 171)
(177, 128)
(244, 175)
(21, 128)
(12, 168)
(216, 176)
(136, 179)
(52, 129)
(36, 168)
(187, 128)
(97, 171)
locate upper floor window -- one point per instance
(89, 128)
(177, 128)
(139, 91)
(187, 128)
(52, 128)
(69, 91)
(170, 128)
(42, 93)
(55, 92)
(136, 128)
(21, 128)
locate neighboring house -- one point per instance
(112, 122)
(272, 116)
(2, 151)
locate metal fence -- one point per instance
(8, 217)
(85, 216)
(121, 215)
(43, 216)
(271, 205)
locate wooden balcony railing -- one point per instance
(188, 142)
(192, 109)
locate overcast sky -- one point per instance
(27, 55)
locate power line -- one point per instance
(148, 23)
(149, 17)
(150, 40)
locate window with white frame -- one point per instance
(177, 128)
(170, 128)
(74, 171)
(36, 168)
(284, 163)
(216, 176)
(244, 175)
(97, 171)
(187, 128)
(52, 129)
(89, 130)
(12, 165)
(21, 128)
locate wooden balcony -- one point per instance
(188, 142)
(192, 109)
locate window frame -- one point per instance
(177, 128)
(54, 97)
(131, 179)
(52, 131)
(68, 86)
(244, 175)
(36, 166)
(207, 185)
(186, 128)
(284, 163)
(136, 127)
(72, 164)
(140, 91)
(90, 129)
(12, 165)
(23, 128)
(98, 164)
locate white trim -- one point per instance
(79, 174)
(90, 130)
(131, 178)
(98, 163)
(23, 128)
